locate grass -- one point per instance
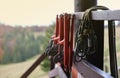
(17, 69)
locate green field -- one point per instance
(17, 69)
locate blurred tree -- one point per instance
(46, 63)
(21, 45)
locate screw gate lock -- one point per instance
(86, 40)
(53, 50)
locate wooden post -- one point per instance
(82, 5)
(97, 58)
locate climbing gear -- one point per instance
(68, 40)
(86, 40)
(65, 40)
(59, 56)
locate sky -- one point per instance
(40, 12)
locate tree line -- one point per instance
(20, 45)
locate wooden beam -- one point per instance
(88, 70)
(57, 71)
(102, 15)
(82, 5)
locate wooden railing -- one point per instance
(85, 68)
(102, 15)
(99, 15)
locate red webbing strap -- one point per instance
(61, 28)
(66, 38)
(61, 34)
(56, 36)
(57, 26)
(71, 41)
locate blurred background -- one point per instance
(25, 30)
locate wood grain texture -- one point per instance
(101, 15)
